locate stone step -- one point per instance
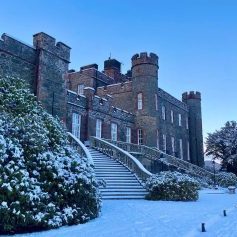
(113, 172)
(111, 175)
(118, 193)
(120, 181)
(122, 197)
(115, 189)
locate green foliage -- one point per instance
(172, 186)
(226, 179)
(44, 183)
(222, 145)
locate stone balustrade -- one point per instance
(122, 156)
(155, 154)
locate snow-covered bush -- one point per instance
(172, 186)
(44, 183)
(226, 179)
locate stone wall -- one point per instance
(52, 67)
(121, 94)
(94, 107)
(18, 59)
(172, 129)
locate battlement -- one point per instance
(17, 48)
(43, 41)
(115, 88)
(144, 58)
(191, 95)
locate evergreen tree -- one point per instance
(222, 145)
(44, 183)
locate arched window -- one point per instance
(139, 101)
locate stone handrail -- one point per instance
(79, 146)
(121, 155)
(155, 154)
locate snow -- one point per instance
(141, 218)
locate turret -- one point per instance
(144, 88)
(193, 100)
(145, 65)
(52, 66)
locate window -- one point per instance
(180, 120)
(128, 134)
(114, 130)
(188, 151)
(163, 112)
(156, 101)
(172, 146)
(76, 124)
(139, 137)
(164, 142)
(186, 122)
(139, 101)
(80, 89)
(98, 128)
(172, 116)
(157, 139)
(181, 148)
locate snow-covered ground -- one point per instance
(141, 218)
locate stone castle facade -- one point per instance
(127, 107)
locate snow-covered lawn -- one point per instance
(126, 218)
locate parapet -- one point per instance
(191, 95)
(94, 65)
(15, 47)
(43, 41)
(144, 58)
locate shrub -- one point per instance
(44, 183)
(225, 179)
(172, 186)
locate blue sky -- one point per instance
(196, 41)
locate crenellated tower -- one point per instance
(144, 87)
(51, 68)
(193, 100)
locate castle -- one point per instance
(127, 107)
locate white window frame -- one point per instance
(157, 139)
(139, 136)
(181, 149)
(173, 146)
(180, 120)
(128, 134)
(187, 123)
(172, 116)
(139, 101)
(98, 130)
(188, 151)
(76, 125)
(156, 101)
(163, 112)
(114, 131)
(80, 89)
(164, 142)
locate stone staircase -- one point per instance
(120, 182)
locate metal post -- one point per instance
(203, 227)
